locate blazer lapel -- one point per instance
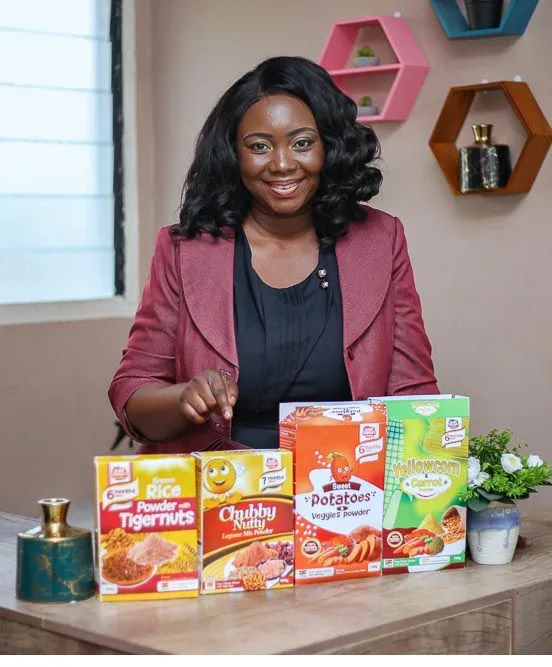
(365, 260)
(207, 270)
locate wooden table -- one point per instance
(480, 609)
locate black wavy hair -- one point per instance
(213, 195)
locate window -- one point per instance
(61, 203)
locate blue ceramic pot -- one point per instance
(493, 533)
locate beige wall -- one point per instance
(482, 264)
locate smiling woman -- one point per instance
(279, 283)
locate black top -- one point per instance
(289, 343)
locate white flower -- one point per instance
(510, 463)
(534, 461)
(474, 468)
(475, 476)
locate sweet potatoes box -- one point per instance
(339, 458)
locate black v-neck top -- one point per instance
(289, 343)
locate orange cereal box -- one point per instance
(146, 527)
(339, 455)
(245, 500)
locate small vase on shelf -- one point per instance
(484, 14)
(365, 57)
(493, 533)
(483, 165)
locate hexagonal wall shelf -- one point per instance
(452, 118)
(515, 19)
(408, 70)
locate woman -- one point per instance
(277, 284)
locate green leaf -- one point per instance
(477, 504)
(489, 496)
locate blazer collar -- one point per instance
(364, 257)
(207, 270)
(365, 260)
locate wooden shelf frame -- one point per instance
(452, 118)
(409, 71)
(515, 19)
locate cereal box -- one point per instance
(339, 455)
(246, 520)
(146, 527)
(424, 525)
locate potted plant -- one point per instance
(499, 474)
(484, 14)
(366, 107)
(366, 57)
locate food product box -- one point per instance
(424, 524)
(339, 457)
(245, 500)
(146, 527)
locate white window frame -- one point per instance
(118, 306)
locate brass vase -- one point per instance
(483, 165)
(55, 561)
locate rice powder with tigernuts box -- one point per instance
(426, 471)
(245, 504)
(146, 527)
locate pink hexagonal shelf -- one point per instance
(393, 83)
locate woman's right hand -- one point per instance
(206, 393)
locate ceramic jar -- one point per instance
(493, 533)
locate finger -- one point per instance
(191, 414)
(201, 387)
(217, 383)
(231, 390)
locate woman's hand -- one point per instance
(206, 393)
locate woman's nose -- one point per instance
(282, 160)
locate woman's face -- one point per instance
(281, 154)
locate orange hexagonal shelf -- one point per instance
(452, 118)
(376, 57)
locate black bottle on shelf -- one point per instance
(483, 165)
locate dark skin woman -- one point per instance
(318, 296)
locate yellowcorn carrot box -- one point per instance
(147, 527)
(426, 471)
(245, 501)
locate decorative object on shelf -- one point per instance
(54, 560)
(499, 474)
(366, 58)
(366, 107)
(484, 14)
(514, 18)
(452, 118)
(484, 165)
(409, 72)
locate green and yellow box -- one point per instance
(426, 470)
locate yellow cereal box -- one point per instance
(147, 527)
(245, 501)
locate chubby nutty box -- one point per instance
(147, 527)
(339, 457)
(245, 501)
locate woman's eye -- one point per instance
(260, 146)
(303, 144)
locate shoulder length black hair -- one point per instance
(213, 195)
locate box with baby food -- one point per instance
(245, 501)
(146, 527)
(424, 524)
(339, 457)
